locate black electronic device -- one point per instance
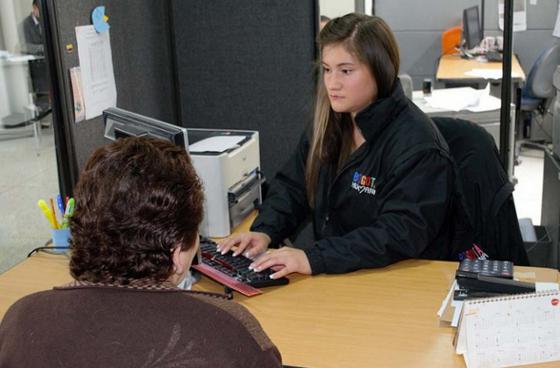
(486, 267)
(472, 31)
(493, 56)
(233, 272)
(121, 123)
(484, 278)
(494, 285)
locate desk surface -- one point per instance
(453, 67)
(384, 317)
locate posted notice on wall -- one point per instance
(96, 65)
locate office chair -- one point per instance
(538, 95)
(406, 83)
(17, 126)
(39, 75)
(485, 212)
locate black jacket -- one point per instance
(389, 202)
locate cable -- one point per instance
(47, 248)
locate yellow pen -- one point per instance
(53, 211)
(47, 212)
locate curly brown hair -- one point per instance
(137, 199)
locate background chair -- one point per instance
(22, 124)
(39, 75)
(538, 95)
(406, 83)
(485, 210)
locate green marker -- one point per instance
(68, 213)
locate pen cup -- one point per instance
(60, 238)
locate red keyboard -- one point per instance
(233, 272)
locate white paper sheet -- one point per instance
(453, 99)
(96, 64)
(485, 73)
(216, 144)
(486, 103)
(463, 98)
(545, 286)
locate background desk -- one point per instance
(384, 317)
(453, 68)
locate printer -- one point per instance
(228, 163)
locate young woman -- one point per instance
(134, 235)
(374, 174)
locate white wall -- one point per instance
(12, 14)
(336, 8)
(2, 47)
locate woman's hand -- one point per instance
(250, 243)
(285, 260)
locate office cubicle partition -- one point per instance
(247, 64)
(196, 63)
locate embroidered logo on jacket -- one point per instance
(363, 183)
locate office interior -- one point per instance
(30, 168)
(33, 154)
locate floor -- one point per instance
(29, 174)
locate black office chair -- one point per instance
(41, 87)
(539, 93)
(485, 204)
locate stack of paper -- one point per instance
(463, 98)
(220, 143)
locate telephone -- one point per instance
(484, 278)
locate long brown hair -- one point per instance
(372, 42)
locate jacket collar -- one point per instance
(374, 118)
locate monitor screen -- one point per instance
(120, 123)
(472, 33)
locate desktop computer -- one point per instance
(473, 35)
(472, 31)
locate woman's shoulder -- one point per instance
(236, 312)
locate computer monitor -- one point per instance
(472, 31)
(121, 123)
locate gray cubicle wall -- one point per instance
(418, 26)
(242, 64)
(248, 64)
(141, 53)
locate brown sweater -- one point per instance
(87, 325)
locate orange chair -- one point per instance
(450, 40)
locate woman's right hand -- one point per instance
(251, 244)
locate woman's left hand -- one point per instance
(284, 260)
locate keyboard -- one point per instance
(233, 272)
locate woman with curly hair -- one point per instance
(139, 204)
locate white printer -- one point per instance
(228, 163)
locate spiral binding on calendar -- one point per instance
(537, 294)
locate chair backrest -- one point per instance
(39, 76)
(451, 40)
(484, 192)
(539, 81)
(406, 83)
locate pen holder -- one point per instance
(60, 238)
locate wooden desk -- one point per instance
(453, 68)
(385, 317)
